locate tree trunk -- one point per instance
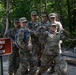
(7, 17)
(75, 15)
(69, 16)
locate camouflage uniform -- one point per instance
(44, 22)
(25, 56)
(39, 53)
(14, 56)
(50, 55)
(58, 24)
(59, 27)
(35, 41)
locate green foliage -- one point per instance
(2, 12)
(20, 8)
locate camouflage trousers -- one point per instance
(60, 65)
(37, 51)
(14, 60)
(26, 58)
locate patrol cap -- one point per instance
(33, 13)
(43, 15)
(23, 19)
(52, 15)
(52, 24)
(16, 20)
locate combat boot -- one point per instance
(51, 70)
(39, 63)
(54, 74)
(38, 74)
(27, 72)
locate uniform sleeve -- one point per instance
(20, 39)
(41, 30)
(64, 34)
(9, 34)
(28, 26)
(60, 27)
(29, 40)
(29, 37)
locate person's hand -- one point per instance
(29, 30)
(14, 42)
(29, 46)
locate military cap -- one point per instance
(52, 24)
(43, 14)
(52, 15)
(33, 13)
(16, 20)
(23, 19)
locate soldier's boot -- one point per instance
(55, 74)
(39, 63)
(14, 72)
(26, 71)
(38, 73)
(51, 70)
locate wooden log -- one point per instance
(69, 54)
(70, 60)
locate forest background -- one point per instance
(66, 10)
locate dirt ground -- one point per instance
(71, 68)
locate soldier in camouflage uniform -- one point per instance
(32, 26)
(14, 56)
(43, 23)
(25, 50)
(50, 55)
(52, 17)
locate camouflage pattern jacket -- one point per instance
(23, 44)
(32, 28)
(11, 34)
(51, 41)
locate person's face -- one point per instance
(33, 17)
(23, 24)
(16, 24)
(52, 19)
(43, 18)
(53, 28)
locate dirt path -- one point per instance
(71, 68)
